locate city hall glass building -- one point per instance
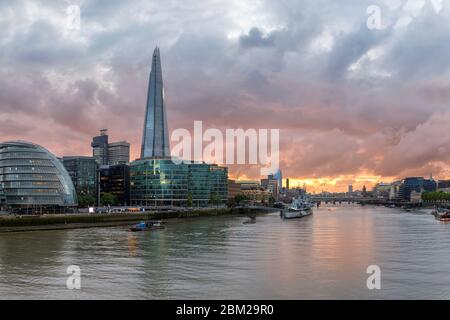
(33, 178)
(157, 180)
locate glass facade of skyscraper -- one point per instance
(156, 180)
(159, 181)
(155, 138)
(199, 188)
(218, 179)
(83, 172)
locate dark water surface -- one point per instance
(324, 256)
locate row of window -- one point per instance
(25, 162)
(23, 155)
(30, 200)
(29, 177)
(28, 170)
(31, 192)
(29, 184)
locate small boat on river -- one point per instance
(441, 214)
(147, 226)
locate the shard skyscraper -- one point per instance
(155, 139)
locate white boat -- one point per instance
(440, 212)
(299, 208)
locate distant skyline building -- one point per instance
(277, 176)
(417, 184)
(270, 185)
(100, 148)
(106, 153)
(118, 153)
(443, 185)
(155, 138)
(350, 189)
(382, 190)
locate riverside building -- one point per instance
(156, 180)
(33, 180)
(83, 172)
(116, 180)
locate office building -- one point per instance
(381, 190)
(278, 177)
(270, 185)
(234, 189)
(33, 179)
(417, 184)
(394, 191)
(218, 178)
(116, 180)
(156, 180)
(118, 153)
(249, 184)
(83, 172)
(107, 153)
(444, 185)
(161, 182)
(100, 148)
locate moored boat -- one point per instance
(445, 217)
(438, 212)
(147, 226)
(290, 214)
(299, 208)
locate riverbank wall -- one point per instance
(75, 221)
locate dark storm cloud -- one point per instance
(347, 99)
(255, 38)
(350, 47)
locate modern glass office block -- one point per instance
(155, 139)
(32, 176)
(83, 171)
(116, 180)
(159, 181)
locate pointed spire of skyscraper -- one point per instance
(155, 139)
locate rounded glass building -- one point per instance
(31, 178)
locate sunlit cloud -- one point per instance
(353, 105)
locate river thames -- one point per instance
(323, 256)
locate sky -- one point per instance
(354, 105)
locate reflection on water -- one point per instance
(322, 256)
(132, 245)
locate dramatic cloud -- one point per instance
(351, 103)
